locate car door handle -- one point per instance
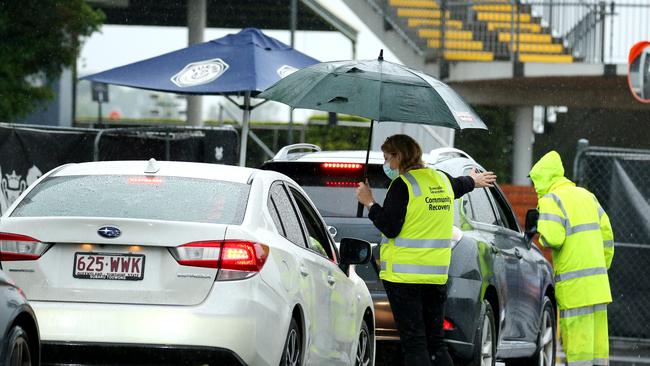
(330, 279)
(303, 271)
(518, 253)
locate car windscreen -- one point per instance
(332, 186)
(137, 197)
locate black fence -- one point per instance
(27, 152)
(619, 178)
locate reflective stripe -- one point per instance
(601, 362)
(423, 243)
(581, 273)
(417, 269)
(600, 208)
(384, 240)
(600, 307)
(383, 266)
(553, 217)
(608, 243)
(557, 200)
(580, 363)
(582, 227)
(414, 184)
(577, 311)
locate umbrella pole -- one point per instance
(244, 128)
(365, 166)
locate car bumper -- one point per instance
(240, 317)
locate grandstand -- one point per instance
(479, 31)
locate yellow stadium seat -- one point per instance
(538, 48)
(502, 17)
(456, 45)
(469, 56)
(545, 58)
(419, 13)
(428, 4)
(525, 37)
(449, 34)
(500, 8)
(449, 23)
(525, 27)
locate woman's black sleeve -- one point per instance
(390, 218)
(461, 185)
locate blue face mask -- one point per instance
(390, 173)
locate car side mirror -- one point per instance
(530, 230)
(354, 251)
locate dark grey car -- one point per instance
(501, 301)
(19, 342)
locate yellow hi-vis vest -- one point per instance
(421, 253)
(574, 225)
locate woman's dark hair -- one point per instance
(408, 150)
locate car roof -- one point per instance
(443, 157)
(159, 168)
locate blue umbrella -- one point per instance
(243, 63)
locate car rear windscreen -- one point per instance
(332, 186)
(137, 197)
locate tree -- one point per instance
(38, 39)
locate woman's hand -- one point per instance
(364, 194)
(485, 179)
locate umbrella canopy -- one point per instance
(243, 63)
(375, 89)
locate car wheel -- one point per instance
(485, 345)
(365, 347)
(546, 341)
(292, 352)
(16, 346)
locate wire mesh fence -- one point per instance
(619, 179)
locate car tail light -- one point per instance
(341, 166)
(341, 184)
(447, 325)
(14, 247)
(235, 259)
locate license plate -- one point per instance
(108, 266)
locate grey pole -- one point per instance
(244, 128)
(294, 25)
(196, 15)
(522, 152)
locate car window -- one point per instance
(506, 217)
(290, 222)
(273, 210)
(318, 240)
(333, 189)
(481, 207)
(137, 197)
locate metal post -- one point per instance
(523, 145)
(294, 25)
(99, 114)
(512, 32)
(196, 19)
(611, 30)
(550, 16)
(244, 128)
(603, 11)
(583, 144)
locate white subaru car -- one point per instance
(185, 263)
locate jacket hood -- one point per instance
(547, 172)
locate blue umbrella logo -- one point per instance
(199, 73)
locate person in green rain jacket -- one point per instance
(574, 225)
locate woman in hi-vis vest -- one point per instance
(416, 221)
